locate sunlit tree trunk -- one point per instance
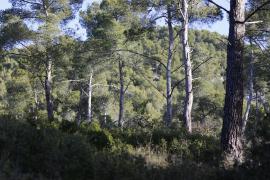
(90, 89)
(233, 107)
(48, 90)
(188, 69)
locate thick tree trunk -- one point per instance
(121, 94)
(232, 122)
(188, 69)
(90, 89)
(250, 88)
(48, 90)
(168, 70)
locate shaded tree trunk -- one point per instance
(48, 90)
(188, 69)
(250, 87)
(168, 70)
(232, 121)
(121, 94)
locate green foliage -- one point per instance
(95, 153)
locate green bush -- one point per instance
(100, 138)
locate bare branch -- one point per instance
(221, 7)
(253, 22)
(29, 2)
(125, 90)
(176, 69)
(197, 67)
(144, 55)
(256, 10)
(151, 83)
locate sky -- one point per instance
(221, 27)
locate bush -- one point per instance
(46, 152)
(100, 138)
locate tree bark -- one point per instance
(250, 87)
(90, 90)
(168, 70)
(232, 122)
(48, 90)
(121, 94)
(188, 69)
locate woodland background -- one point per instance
(118, 105)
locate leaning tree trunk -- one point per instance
(121, 94)
(90, 89)
(188, 69)
(48, 90)
(168, 70)
(250, 88)
(232, 122)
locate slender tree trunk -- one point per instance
(48, 77)
(121, 94)
(188, 69)
(79, 113)
(250, 87)
(168, 70)
(257, 106)
(48, 90)
(36, 104)
(232, 122)
(264, 103)
(90, 90)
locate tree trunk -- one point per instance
(48, 90)
(264, 103)
(121, 94)
(257, 106)
(232, 122)
(90, 89)
(188, 69)
(250, 87)
(168, 70)
(79, 113)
